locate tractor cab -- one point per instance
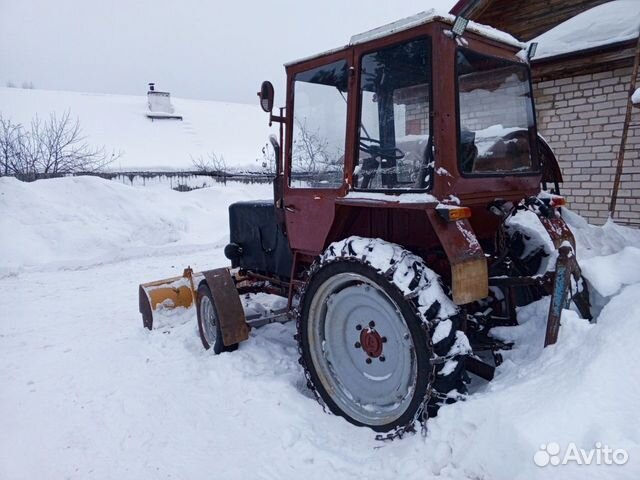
(418, 111)
(400, 105)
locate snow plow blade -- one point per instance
(182, 292)
(167, 294)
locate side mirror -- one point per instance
(266, 96)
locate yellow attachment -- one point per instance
(170, 297)
(167, 294)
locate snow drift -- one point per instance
(75, 221)
(88, 393)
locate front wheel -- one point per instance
(208, 324)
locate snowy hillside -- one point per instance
(88, 393)
(233, 130)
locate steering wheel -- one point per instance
(374, 149)
(370, 165)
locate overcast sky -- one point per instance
(215, 50)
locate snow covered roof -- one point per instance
(431, 16)
(233, 130)
(421, 18)
(612, 22)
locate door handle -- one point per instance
(290, 208)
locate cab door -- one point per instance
(319, 114)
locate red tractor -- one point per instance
(410, 216)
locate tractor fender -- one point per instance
(551, 172)
(469, 275)
(227, 304)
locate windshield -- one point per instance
(497, 127)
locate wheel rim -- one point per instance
(209, 320)
(362, 349)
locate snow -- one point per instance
(612, 22)
(113, 222)
(384, 197)
(88, 393)
(232, 130)
(635, 98)
(528, 223)
(431, 16)
(427, 16)
(608, 274)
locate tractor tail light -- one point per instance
(451, 214)
(558, 202)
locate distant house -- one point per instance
(582, 79)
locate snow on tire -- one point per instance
(379, 338)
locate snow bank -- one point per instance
(593, 241)
(610, 273)
(74, 221)
(236, 131)
(611, 22)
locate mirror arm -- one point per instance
(276, 118)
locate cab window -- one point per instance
(395, 147)
(496, 121)
(319, 126)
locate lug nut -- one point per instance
(382, 359)
(368, 360)
(384, 339)
(372, 324)
(358, 327)
(357, 345)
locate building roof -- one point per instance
(525, 19)
(609, 23)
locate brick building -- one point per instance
(582, 79)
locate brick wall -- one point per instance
(582, 118)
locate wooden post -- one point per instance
(625, 131)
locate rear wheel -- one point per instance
(208, 324)
(378, 336)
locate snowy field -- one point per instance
(88, 393)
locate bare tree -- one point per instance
(211, 164)
(28, 85)
(10, 84)
(9, 140)
(63, 149)
(310, 150)
(49, 148)
(268, 159)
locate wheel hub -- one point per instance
(371, 342)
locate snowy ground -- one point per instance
(88, 393)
